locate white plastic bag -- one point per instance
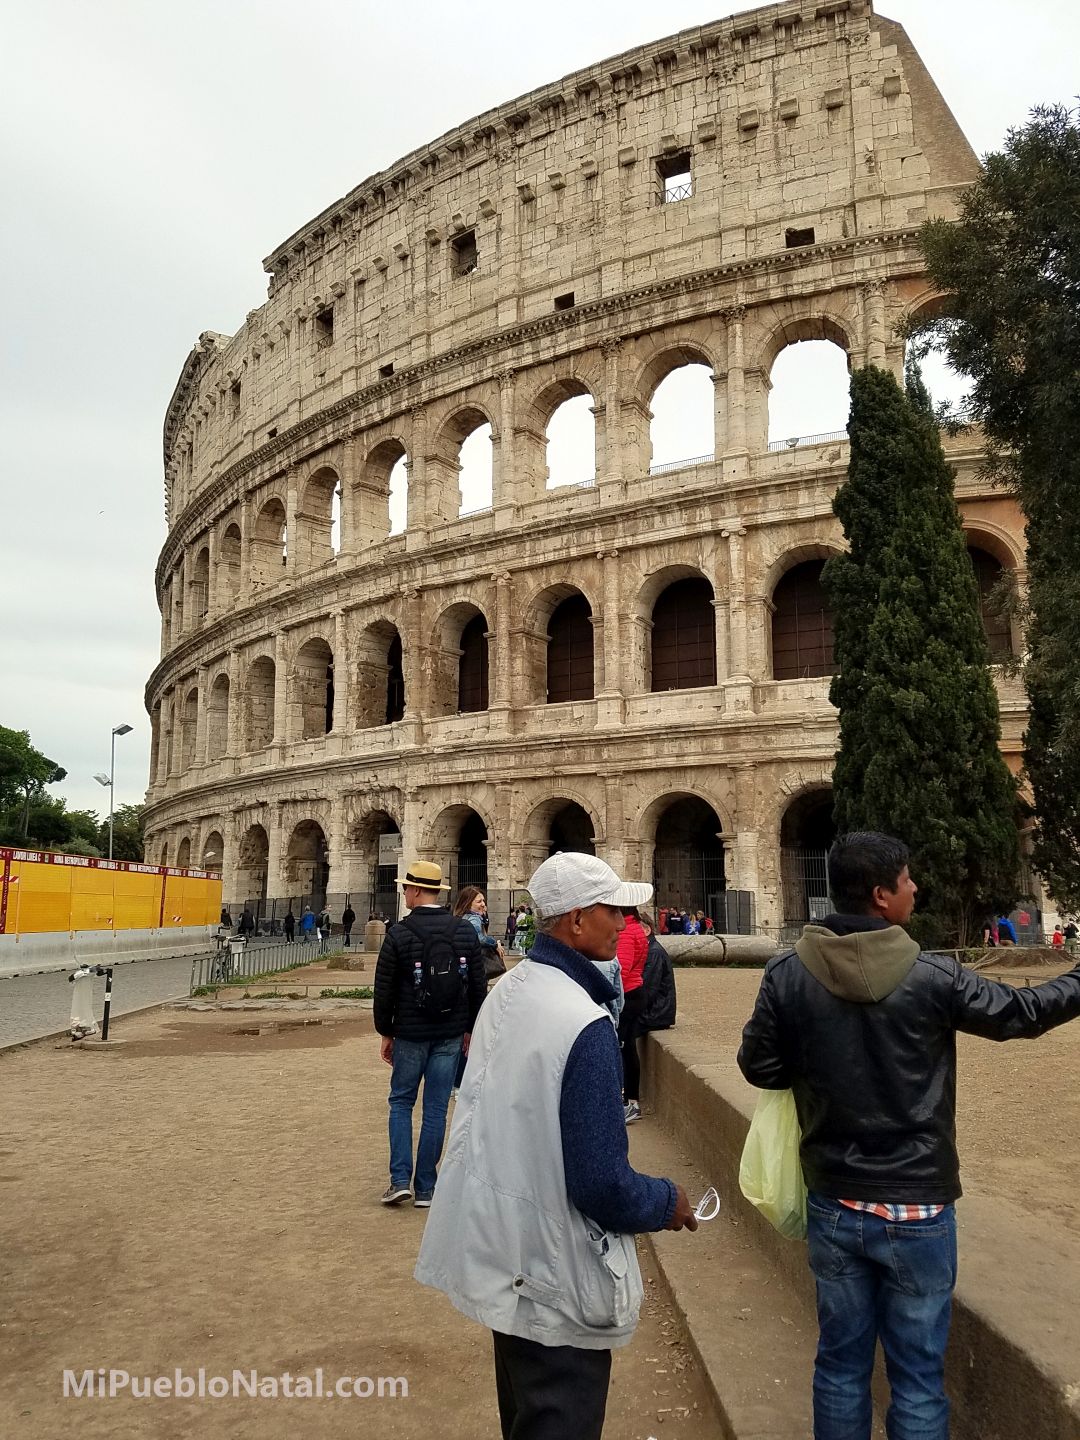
(770, 1172)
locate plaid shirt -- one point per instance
(895, 1212)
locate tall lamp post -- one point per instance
(108, 780)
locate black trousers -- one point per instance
(628, 1037)
(550, 1392)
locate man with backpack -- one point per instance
(429, 986)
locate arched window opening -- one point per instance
(375, 848)
(229, 560)
(314, 674)
(995, 622)
(315, 520)
(269, 544)
(570, 651)
(252, 861)
(571, 829)
(688, 859)
(399, 496)
(395, 681)
(183, 854)
(473, 666)
(217, 719)
(810, 397)
(380, 679)
(164, 854)
(188, 726)
(806, 832)
(307, 867)
(475, 478)
(683, 426)
(200, 585)
(259, 709)
(213, 853)
(471, 866)
(684, 636)
(571, 443)
(802, 625)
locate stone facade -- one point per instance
(536, 254)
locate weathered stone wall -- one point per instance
(795, 118)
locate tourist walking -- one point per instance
(429, 986)
(633, 947)
(348, 920)
(307, 924)
(860, 1023)
(245, 926)
(289, 926)
(471, 906)
(531, 1232)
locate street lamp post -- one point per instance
(108, 780)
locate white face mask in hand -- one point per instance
(708, 1207)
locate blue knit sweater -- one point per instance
(599, 1179)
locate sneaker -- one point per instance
(394, 1194)
(632, 1111)
(422, 1202)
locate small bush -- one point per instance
(363, 992)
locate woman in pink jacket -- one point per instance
(633, 948)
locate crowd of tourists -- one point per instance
(534, 1205)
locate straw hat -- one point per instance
(425, 876)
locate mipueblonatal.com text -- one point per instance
(103, 1384)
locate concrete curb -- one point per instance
(1012, 1368)
(64, 1034)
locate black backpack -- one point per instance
(441, 975)
(658, 982)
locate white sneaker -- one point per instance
(632, 1111)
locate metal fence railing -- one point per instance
(681, 464)
(798, 440)
(235, 962)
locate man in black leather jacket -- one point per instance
(861, 1025)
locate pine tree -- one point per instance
(919, 722)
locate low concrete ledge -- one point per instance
(65, 950)
(1013, 1367)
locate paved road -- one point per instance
(34, 1005)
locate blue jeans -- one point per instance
(434, 1062)
(880, 1279)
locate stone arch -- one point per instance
(164, 860)
(307, 864)
(473, 478)
(217, 717)
(459, 669)
(268, 543)
(371, 880)
(535, 638)
(213, 853)
(666, 353)
(677, 388)
(809, 382)
(806, 831)
(259, 691)
(183, 854)
(189, 725)
(313, 537)
(682, 635)
(687, 868)
(555, 441)
(312, 699)
(820, 324)
(230, 551)
(566, 821)
(458, 839)
(380, 498)
(996, 622)
(200, 584)
(379, 675)
(252, 862)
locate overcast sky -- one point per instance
(154, 152)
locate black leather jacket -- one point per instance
(862, 1025)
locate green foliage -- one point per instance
(24, 774)
(361, 992)
(127, 833)
(1011, 267)
(919, 724)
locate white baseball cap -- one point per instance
(572, 881)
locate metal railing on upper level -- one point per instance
(797, 440)
(681, 464)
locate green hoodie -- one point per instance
(864, 967)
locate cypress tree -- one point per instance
(919, 724)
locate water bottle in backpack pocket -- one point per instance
(441, 975)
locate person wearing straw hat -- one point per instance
(532, 1229)
(429, 986)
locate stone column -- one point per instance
(338, 880)
(247, 525)
(275, 835)
(181, 618)
(213, 579)
(502, 698)
(234, 743)
(735, 452)
(228, 863)
(743, 874)
(608, 460)
(738, 690)
(200, 716)
(758, 613)
(722, 623)
(412, 655)
(176, 749)
(614, 823)
(165, 730)
(611, 706)
(342, 677)
(504, 482)
(292, 507)
(350, 498)
(281, 678)
(873, 294)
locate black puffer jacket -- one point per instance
(396, 1010)
(862, 1025)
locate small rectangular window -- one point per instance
(463, 258)
(565, 302)
(386, 370)
(675, 177)
(270, 434)
(794, 238)
(324, 327)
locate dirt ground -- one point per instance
(199, 1197)
(1018, 1104)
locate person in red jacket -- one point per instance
(633, 948)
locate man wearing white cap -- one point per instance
(531, 1231)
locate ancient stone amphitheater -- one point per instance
(636, 660)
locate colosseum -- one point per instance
(361, 655)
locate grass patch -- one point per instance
(360, 992)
